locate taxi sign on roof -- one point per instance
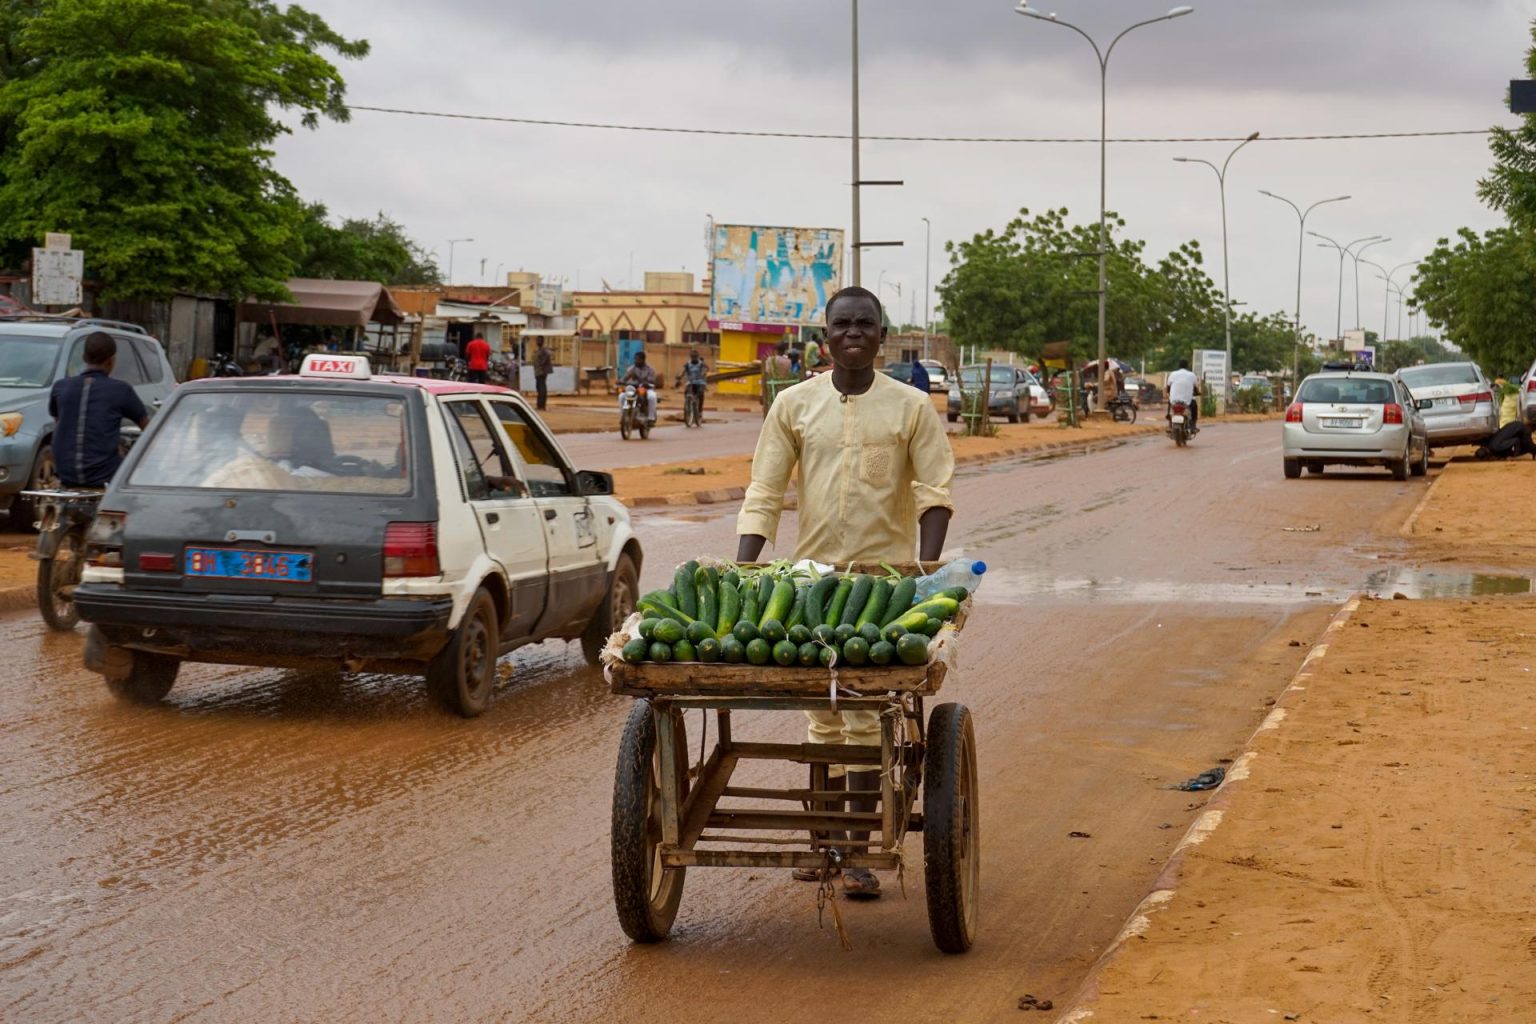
(328, 364)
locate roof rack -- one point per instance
(88, 321)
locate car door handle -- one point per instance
(492, 518)
(550, 513)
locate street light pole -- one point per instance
(451, 243)
(1356, 255)
(1338, 329)
(1226, 269)
(856, 254)
(927, 282)
(1103, 57)
(1301, 243)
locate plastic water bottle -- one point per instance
(962, 572)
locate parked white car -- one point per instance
(1355, 419)
(1528, 396)
(345, 519)
(1463, 410)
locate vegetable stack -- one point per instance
(778, 615)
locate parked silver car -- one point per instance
(1528, 396)
(1008, 392)
(1464, 410)
(1355, 419)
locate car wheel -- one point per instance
(1024, 413)
(1013, 416)
(1315, 468)
(140, 677)
(44, 477)
(616, 607)
(954, 417)
(1400, 468)
(1421, 467)
(1293, 469)
(462, 675)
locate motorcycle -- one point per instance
(224, 365)
(63, 519)
(1179, 427)
(693, 406)
(634, 409)
(1123, 408)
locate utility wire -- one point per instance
(897, 138)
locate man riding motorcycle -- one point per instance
(642, 374)
(1184, 387)
(695, 370)
(88, 412)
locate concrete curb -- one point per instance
(1166, 887)
(1406, 530)
(721, 495)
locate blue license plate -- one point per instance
(239, 564)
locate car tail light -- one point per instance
(1392, 413)
(410, 549)
(1481, 396)
(1293, 413)
(1530, 385)
(153, 561)
(104, 540)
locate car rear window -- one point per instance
(1347, 391)
(1000, 375)
(265, 441)
(1434, 376)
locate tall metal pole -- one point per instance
(1356, 255)
(927, 282)
(1226, 267)
(1301, 240)
(856, 254)
(451, 243)
(1103, 57)
(1338, 330)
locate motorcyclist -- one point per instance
(642, 374)
(695, 370)
(1184, 387)
(88, 412)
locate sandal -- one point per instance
(861, 883)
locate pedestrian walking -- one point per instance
(543, 364)
(920, 379)
(477, 357)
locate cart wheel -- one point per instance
(645, 894)
(951, 837)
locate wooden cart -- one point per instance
(670, 814)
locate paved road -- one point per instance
(274, 846)
(723, 433)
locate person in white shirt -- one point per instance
(1183, 386)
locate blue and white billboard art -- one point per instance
(762, 275)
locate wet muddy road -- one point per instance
(273, 846)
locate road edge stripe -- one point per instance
(1166, 887)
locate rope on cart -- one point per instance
(826, 895)
(898, 776)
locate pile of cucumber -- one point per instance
(777, 615)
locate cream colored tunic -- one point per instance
(870, 465)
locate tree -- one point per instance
(362, 250)
(1036, 281)
(1392, 356)
(144, 129)
(1482, 292)
(1511, 184)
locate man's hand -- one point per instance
(749, 547)
(933, 528)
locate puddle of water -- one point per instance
(1013, 587)
(1424, 583)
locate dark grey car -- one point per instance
(1008, 391)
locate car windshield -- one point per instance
(265, 441)
(973, 375)
(27, 362)
(1347, 391)
(1432, 376)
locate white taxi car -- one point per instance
(337, 517)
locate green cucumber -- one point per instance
(902, 596)
(759, 652)
(765, 585)
(912, 649)
(957, 593)
(668, 631)
(732, 577)
(838, 602)
(938, 607)
(816, 598)
(698, 632)
(781, 599)
(706, 585)
(785, 653)
(684, 651)
(882, 653)
(637, 650)
(856, 651)
(660, 651)
(874, 608)
(749, 606)
(683, 586)
(709, 650)
(661, 607)
(810, 653)
(797, 610)
(730, 608)
(647, 627)
(858, 597)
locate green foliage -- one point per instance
(1036, 281)
(144, 128)
(362, 250)
(1482, 291)
(1511, 184)
(1392, 356)
(1250, 399)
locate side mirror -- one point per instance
(592, 482)
(1424, 403)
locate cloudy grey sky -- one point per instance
(588, 205)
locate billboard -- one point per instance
(773, 276)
